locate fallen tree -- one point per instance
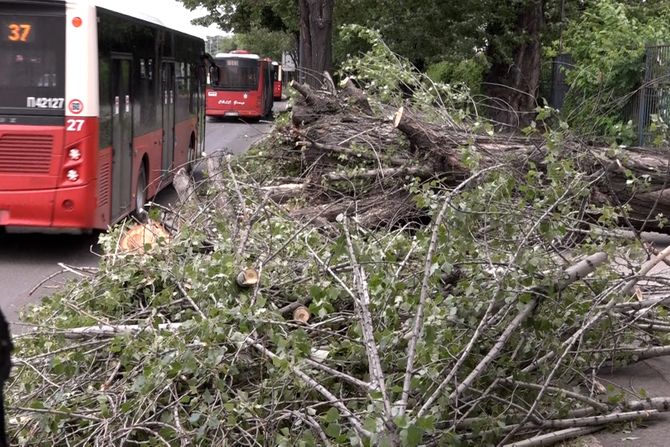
(371, 275)
(334, 141)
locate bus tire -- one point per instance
(191, 156)
(139, 212)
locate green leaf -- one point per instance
(195, 417)
(414, 435)
(426, 423)
(333, 430)
(332, 415)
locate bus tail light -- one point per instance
(72, 175)
(74, 154)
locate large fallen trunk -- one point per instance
(635, 177)
(340, 141)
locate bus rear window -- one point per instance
(32, 58)
(237, 74)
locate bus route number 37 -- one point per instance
(74, 125)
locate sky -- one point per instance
(171, 13)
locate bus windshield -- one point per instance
(32, 59)
(237, 74)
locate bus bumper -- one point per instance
(232, 113)
(62, 208)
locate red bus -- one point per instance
(242, 87)
(96, 110)
(277, 81)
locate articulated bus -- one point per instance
(242, 87)
(97, 109)
(277, 81)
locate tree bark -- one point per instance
(439, 148)
(339, 141)
(514, 84)
(316, 33)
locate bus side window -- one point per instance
(150, 69)
(105, 134)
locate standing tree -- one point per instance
(509, 35)
(513, 81)
(316, 36)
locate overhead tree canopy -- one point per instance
(310, 21)
(244, 15)
(502, 49)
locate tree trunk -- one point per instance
(513, 85)
(340, 143)
(316, 33)
(644, 201)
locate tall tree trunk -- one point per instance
(514, 85)
(316, 35)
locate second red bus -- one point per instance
(277, 81)
(241, 87)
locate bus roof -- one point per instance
(236, 56)
(115, 6)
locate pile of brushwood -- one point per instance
(369, 275)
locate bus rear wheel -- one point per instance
(191, 157)
(141, 196)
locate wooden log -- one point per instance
(438, 150)
(356, 96)
(281, 193)
(426, 141)
(183, 184)
(247, 278)
(314, 107)
(301, 314)
(646, 197)
(378, 173)
(140, 237)
(371, 212)
(306, 91)
(303, 116)
(343, 150)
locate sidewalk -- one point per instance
(653, 376)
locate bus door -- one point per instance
(168, 97)
(122, 136)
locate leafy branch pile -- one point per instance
(464, 289)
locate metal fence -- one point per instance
(559, 86)
(652, 98)
(654, 95)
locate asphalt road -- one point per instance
(26, 260)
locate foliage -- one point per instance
(246, 15)
(204, 381)
(392, 78)
(266, 43)
(415, 336)
(259, 41)
(607, 46)
(474, 40)
(469, 72)
(221, 44)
